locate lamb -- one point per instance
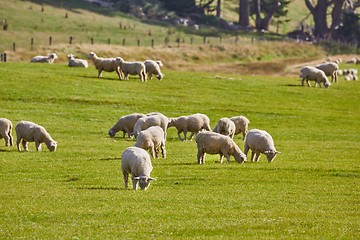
(125, 124)
(225, 127)
(241, 124)
(105, 64)
(153, 67)
(260, 141)
(44, 59)
(152, 139)
(311, 73)
(6, 131)
(193, 123)
(136, 161)
(330, 69)
(31, 132)
(216, 143)
(75, 62)
(157, 119)
(133, 68)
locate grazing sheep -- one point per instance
(105, 64)
(44, 59)
(242, 124)
(156, 119)
(330, 69)
(192, 123)
(216, 143)
(353, 60)
(6, 131)
(133, 68)
(75, 62)
(31, 132)
(225, 127)
(311, 73)
(136, 161)
(125, 124)
(152, 139)
(153, 67)
(259, 141)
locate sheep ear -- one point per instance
(277, 152)
(136, 178)
(150, 178)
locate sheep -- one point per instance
(330, 69)
(193, 123)
(225, 127)
(132, 68)
(311, 73)
(136, 161)
(153, 67)
(125, 124)
(156, 119)
(216, 143)
(152, 139)
(6, 131)
(44, 59)
(105, 64)
(31, 132)
(73, 62)
(241, 124)
(260, 141)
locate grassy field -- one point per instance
(310, 191)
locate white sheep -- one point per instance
(105, 64)
(225, 127)
(76, 62)
(311, 73)
(216, 143)
(156, 119)
(44, 59)
(260, 141)
(330, 69)
(153, 67)
(136, 161)
(125, 124)
(6, 131)
(241, 124)
(132, 68)
(31, 132)
(193, 123)
(152, 139)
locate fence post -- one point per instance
(4, 57)
(166, 41)
(191, 40)
(123, 42)
(70, 40)
(109, 41)
(1, 57)
(152, 43)
(50, 40)
(138, 42)
(92, 41)
(204, 40)
(32, 44)
(14, 47)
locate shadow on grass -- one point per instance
(100, 188)
(294, 85)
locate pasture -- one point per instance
(310, 191)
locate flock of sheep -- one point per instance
(123, 68)
(320, 72)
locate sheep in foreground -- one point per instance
(193, 123)
(76, 62)
(132, 68)
(330, 69)
(241, 124)
(31, 132)
(152, 139)
(153, 67)
(105, 64)
(311, 73)
(125, 124)
(216, 143)
(260, 141)
(156, 119)
(136, 161)
(44, 59)
(225, 127)
(6, 131)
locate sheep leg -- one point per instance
(257, 156)
(191, 135)
(11, 139)
(180, 131)
(135, 183)
(221, 158)
(25, 145)
(227, 157)
(119, 73)
(18, 140)
(38, 146)
(308, 83)
(126, 179)
(149, 76)
(157, 152)
(163, 150)
(252, 156)
(152, 151)
(201, 156)
(99, 73)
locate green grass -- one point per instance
(310, 191)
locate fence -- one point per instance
(3, 57)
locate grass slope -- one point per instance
(310, 190)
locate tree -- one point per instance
(244, 13)
(218, 9)
(319, 13)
